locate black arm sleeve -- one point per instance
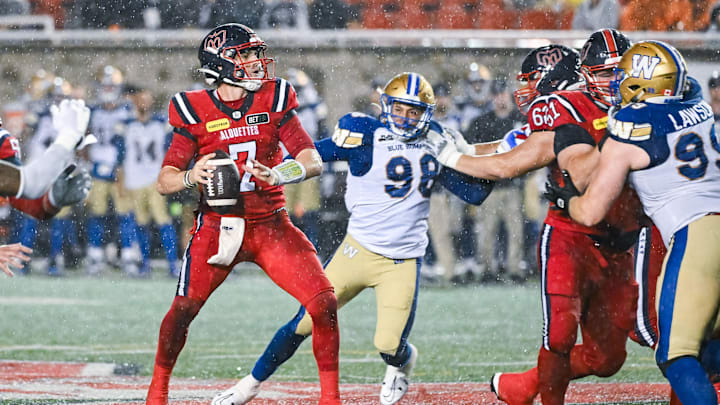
(571, 134)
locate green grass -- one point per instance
(463, 334)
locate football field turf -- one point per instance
(463, 334)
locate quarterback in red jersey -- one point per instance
(247, 116)
(586, 272)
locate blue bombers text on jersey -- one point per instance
(389, 184)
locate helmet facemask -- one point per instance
(598, 79)
(404, 127)
(413, 92)
(527, 92)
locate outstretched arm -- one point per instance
(9, 179)
(534, 153)
(70, 120)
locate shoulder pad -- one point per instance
(181, 112)
(284, 97)
(561, 100)
(436, 126)
(548, 112)
(355, 129)
(631, 123)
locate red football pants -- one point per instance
(591, 286)
(273, 243)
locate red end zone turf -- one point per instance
(52, 382)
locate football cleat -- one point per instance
(395, 384)
(506, 394)
(241, 393)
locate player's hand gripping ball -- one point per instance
(223, 187)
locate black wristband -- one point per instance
(570, 134)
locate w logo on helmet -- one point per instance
(645, 65)
(549, 57)
(214, 42)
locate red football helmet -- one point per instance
(599, 57)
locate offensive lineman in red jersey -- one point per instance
(247, 116)
(587, 277)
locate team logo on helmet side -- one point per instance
(649, 69)
(549, 57)
(214, 42)
(544, 70)
(643, 65)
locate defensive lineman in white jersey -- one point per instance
(392, 170)
(664, 138)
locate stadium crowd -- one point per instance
(627, 15)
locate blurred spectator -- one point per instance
(216, 12)
(90, 14)
(504, 116)
(445, 110)
(476, 93)
(369, 101)
(446, 210)
(592, 15)
(504, 206)
(176, 14)
(14, 7)
(285, 14)
(714, 90)
(331, 14)
(715, 18)
(57, 9)
(676, 15)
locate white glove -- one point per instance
(71, 187)
(444, 148)
(70, 120)
(512, 138)
(462, 145)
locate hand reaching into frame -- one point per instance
(15, 255)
